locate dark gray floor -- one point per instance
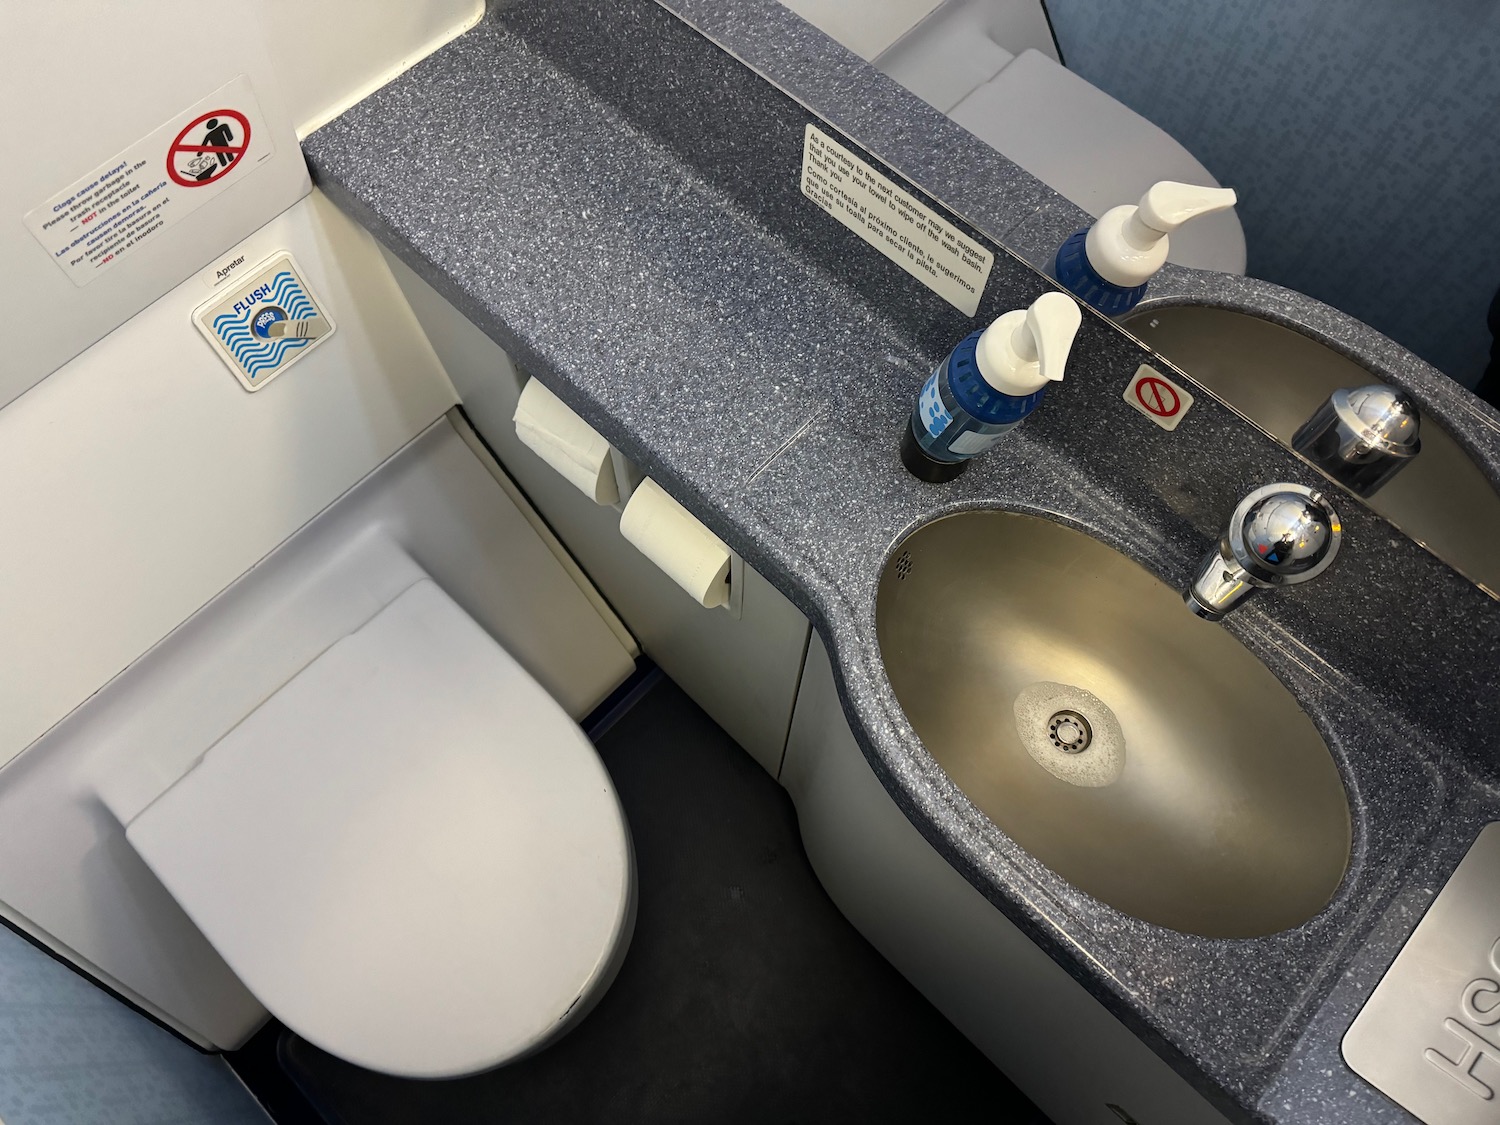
(746, 996)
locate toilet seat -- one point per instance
(409, 853)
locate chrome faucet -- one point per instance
(1279, 535)
(1362, 437)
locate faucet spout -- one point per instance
(1279, 535)
(1220, 585)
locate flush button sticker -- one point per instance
(265, 324)
(1157, 397)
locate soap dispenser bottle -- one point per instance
(987, 385)
(1108, 264)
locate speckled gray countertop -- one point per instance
(615, 201)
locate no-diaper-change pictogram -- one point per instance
(266, 324)
(1157, 397)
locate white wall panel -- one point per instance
(141, 479)
(81, 81)
(332, 53)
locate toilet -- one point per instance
(1065, 131)
(338, 795)
(409, 853)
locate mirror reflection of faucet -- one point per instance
(1279, 535)
(1362, 437)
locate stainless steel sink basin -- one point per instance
(1229, 819)
(1277, 378)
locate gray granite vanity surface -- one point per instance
(980, 185)
(615, 200)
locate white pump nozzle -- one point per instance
(1023, 351)
(1167, 205)
(1128, 244)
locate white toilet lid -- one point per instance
(409, 853)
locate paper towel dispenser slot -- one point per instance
(549, 428)
(687, 552)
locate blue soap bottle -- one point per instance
(987, 385)
(1108, 265)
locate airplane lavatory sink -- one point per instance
(1019, 648)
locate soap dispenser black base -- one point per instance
(924, 467)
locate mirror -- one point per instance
(1278, 378)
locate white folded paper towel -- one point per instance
(671, 537)
(551, 430)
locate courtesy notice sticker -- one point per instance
(896, 223)
(118, 207)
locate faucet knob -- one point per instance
(1279, 535)
(1284, 534)
(1389, 417)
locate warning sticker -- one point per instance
(224, 139)
(265, 324)
(165, 176)
(895, 222)
(1157, 397)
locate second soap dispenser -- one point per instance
(1109, 263)
(987, 385)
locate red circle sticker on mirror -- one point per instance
(1151, 393)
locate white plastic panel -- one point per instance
(741, 669)
(866, 28)
(331, 54)
(67, 874)
(964, 44)
(1056, 1042)
(80, 82)
(409, 852)
(142, 479)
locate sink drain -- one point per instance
(1070, 732)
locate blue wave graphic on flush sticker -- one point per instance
(254, 353)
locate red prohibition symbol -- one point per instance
(208, 148)
(1157, 396)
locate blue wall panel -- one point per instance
(1362, 135)
(70, 1054)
